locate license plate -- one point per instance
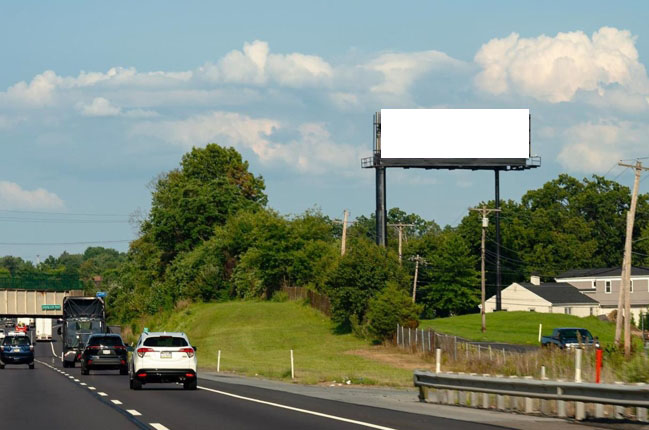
(105, 352)
(16, 350)
(165, 354)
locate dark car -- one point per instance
(16, 348)
(104, 352)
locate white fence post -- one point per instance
(292, 367)
(438, 360)
(218, 362)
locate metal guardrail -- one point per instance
(610, 394)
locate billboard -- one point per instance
(454, 136)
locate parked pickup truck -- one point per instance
(569, 337)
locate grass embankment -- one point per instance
(518, 327)
(255, 339)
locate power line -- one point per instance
(61, 213)
(62, 243)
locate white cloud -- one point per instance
(99, 107)
(256, 65)
(312, 151)
(554, 69)
(12, 196)
(596, 146)
(401, 70)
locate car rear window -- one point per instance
(105, 340)
(165, 341)
(16, 340)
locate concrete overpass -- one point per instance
(33, 303)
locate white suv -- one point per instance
(163, 357)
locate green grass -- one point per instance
(518, 327)
(255, 339)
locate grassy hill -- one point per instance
(518, 327)
(255, 338)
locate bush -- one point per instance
(279, 296)
(390, 307)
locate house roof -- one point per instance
(602, 272)
(559, 293)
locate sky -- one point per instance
(99, 98)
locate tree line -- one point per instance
(210, 236)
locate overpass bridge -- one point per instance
(36, 298)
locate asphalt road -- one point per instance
(50, 397)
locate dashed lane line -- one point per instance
(92, 388)
(102, 394)
(304, 411)
(133, 412)
(115, 401)
(158, 426)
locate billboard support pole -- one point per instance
(381, 213)
(498, 274)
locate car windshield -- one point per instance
(165, 341)
(574, 334)
(16, 340)
(105, 340)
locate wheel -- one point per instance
(136, 385)
(31, 366)
(2, 366)
(123, 371)
(190, 385)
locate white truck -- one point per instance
(43, 329)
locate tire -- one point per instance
(2, 366)
(191, 385)
(136, 385)
(31, 366)
(65, 364)
(123, 371)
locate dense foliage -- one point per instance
(209, 236)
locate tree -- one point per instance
(365, 270)
(212, 184)
(454, 283)
(390, 307)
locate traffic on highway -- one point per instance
(161, 389)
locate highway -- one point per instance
(50, 397)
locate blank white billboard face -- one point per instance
(455, 133)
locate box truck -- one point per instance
(43, 329)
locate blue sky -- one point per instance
(97, 98)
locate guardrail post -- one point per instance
(438, 360)
(474, 399)
(423, 394)
(641, 413)
(545, 404)
(529, 402)
(561, 405)
(619, 410)
(500, 399)
(599, 410)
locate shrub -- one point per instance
(390, 307)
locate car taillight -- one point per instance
(120, 347)
(189, 351)
(96, 347)
(142, 351)
(189, 375)
(141, 375)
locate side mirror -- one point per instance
(195, 348)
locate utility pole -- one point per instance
(485, 223)
(344, 222)
(417, 260)
(626, 264)
(344, 239)
(400, 227)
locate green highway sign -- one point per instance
(51, 307)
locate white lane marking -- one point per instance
(133, 412)
(117, 402)
(76, 380)
(91, 388)
(304, 411)
(102, 394)
(158, 426)
(83, 383)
